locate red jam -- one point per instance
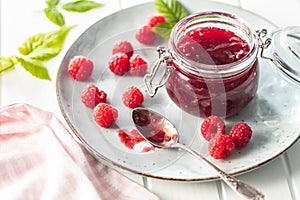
(131, 138)
(213, 46)
(219, 95)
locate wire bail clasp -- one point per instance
(163, 59)
(290, 71)
(264, 42)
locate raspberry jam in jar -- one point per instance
(214, 61)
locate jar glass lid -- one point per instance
(285, 51)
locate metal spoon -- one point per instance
(160, 132)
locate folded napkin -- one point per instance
(39, 159)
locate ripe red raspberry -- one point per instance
(123, 46)
(145, 35)
(92, 96)
(132, 97)
(156, 19)
(220, 146)
(118, 64)
(105, 115)
(212, 126)
(137, 65)
(80, 68)
(240, 134)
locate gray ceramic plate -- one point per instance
(273, 114)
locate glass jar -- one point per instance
(212, 59)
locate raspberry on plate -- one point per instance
(156, 19)
(80, 68)
(132, 97)
(145, 35)
(137, 65)
(92, 96)
(118, 64)
(240, 134)
(123, 46)
(105, 115)
(212, 126)
(221, 146)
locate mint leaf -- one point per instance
(35, 68)
(81, 6)
(44, 53)
(56, 38)
(39, 48)
(31, 43)
(7, 63)
(171, 9)
(44, 46)
(54, 16)
(52, 2)
(164, 29)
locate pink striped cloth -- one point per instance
(39, 159)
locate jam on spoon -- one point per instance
(160, 132)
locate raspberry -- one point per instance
(240, 134)
(118, 64)
(130, 138)
(156, 19)
(105, 115)
(137, 65)
(220, 146)
(212, 126)
(123, 46)
(80, 68)
(145, 35)
(132, 97)
(92, 96)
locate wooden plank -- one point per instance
(126, 3)
(231, 2)
(292, 163)
(270, 179)
(282, 13)
(183, 190)
(134, 177)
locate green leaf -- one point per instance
(54, 16)
(52, 2)
(44, 53)
(171, 9)
(32, 43)
(81, 6)
(35, 68)
(7, 63)
(44, 46)
(164, 29)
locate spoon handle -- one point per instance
(243, 189)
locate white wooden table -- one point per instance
(279, 179)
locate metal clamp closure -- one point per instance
(163, 59)
(264, 42)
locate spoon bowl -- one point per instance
(161, 133)
(155, 128)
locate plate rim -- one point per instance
(76, 135)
